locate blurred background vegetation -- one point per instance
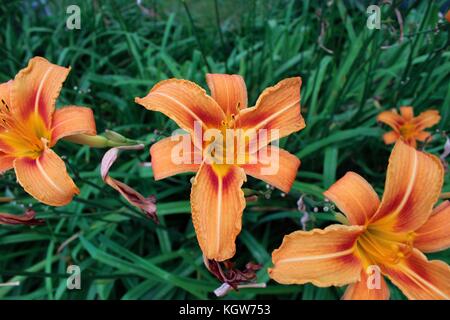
(350, 74)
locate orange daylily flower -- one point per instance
(447, 16)
(391, 234)
(406, 126)
(30, 126)
(217, 200)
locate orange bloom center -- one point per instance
(233, 149)
(26, 138)
(377, 246)
(408, 130)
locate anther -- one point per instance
(5, 104)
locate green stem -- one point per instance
(194, 31)
(216, 7)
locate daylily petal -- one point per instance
(184, 102)
(279, 172)
(5, 100)
(35, 89)
(355, 197)
(427, 119)
(217, 204)
(407, 113)
(434, 235)
(6, 162)
(324, 257)
(277, 108)
(423, 136)
(391, 118)
(72, 120)
(46, 178)
(420, 279)
(168, 156)
(229, 91)
(391, 137)
(5, 92)
(413, 185)
(361, 291)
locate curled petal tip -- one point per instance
(28, 218)
(146, 204)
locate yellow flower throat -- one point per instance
(26, 138)
(376, 246)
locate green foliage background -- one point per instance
(122, 50)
